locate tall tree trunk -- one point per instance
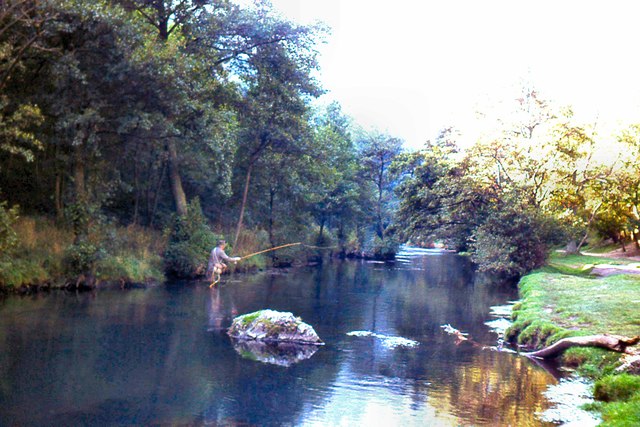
(243, 205)
(81, 216)
(272, 194)
(321, 232)
(156, 194)
(176, 182)
(586, 233)
(136, 186)
(58, 197)
(379, 226)
(79, 175)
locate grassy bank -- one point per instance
(566, 299)
(45, 256)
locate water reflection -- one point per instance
(281, 354)
(162, 356)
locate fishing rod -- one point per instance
(270, 249)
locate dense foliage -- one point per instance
(535, 181)
(189, 243)
(122, 113)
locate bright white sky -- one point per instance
(414, 67)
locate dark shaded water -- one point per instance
(161, 355)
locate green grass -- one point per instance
(599, 246)
(129, 254)
(249, 318)
(621, 414)
(557, 301)
(38, 255)
(579, 261)
(622, 396)
(564, 299)
(623, 387)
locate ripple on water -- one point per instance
(566, 398)
(387, 341)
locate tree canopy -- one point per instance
(133, 111)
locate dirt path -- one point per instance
(609, 269)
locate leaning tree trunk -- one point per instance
(176, 182)
(615, 343)
(243, 205)
(610, 342)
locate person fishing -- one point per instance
(216, 266)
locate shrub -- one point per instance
(385, 248)
(37, 255)
(133, 254)
(617, 387)
(621, 414)
(513, 241)
(189, 245)
(82, 256)
(8, 236)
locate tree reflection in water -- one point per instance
(162, 356)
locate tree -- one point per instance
(335, 195)
(627, 202)
(377, 152)
(440, 198)
(546, 158)
(456, 197)
(273, 112)
(22, 28)
(513, 239)
(184, 85)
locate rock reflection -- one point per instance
(281, 354)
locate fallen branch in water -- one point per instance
(459, 336)
(616, 343)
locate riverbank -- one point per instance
(43, 254)
(45, 257)
(578, 295)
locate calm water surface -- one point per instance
(161, 355)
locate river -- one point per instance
(160, 355)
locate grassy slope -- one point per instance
(563, 299)
(130, 254)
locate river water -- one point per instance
(160, 356)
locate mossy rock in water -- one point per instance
(273, 326)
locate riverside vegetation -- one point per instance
(564, 299)
(134, 133)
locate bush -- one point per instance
(623, 394)
(82, 256)
(14, 271)
(617, 387)
(189, 245)
(133, 254)
(47, 252)
(621, 414)
(8, 236)
(513, 241)
(385, 248)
